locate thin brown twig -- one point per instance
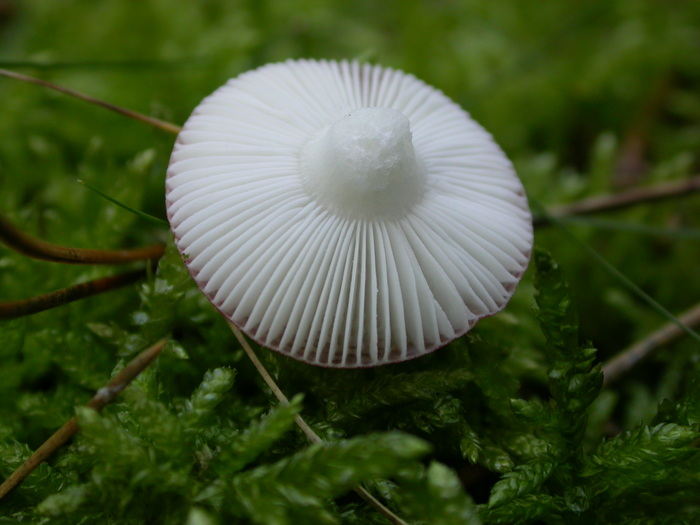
(305, 428)
(622, 200)
(45, 251)
(104, 396)
(156, 123)
(33, 305)
(303, 425)
(616, 367)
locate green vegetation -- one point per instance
(510, 424)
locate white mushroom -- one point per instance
(346, 214)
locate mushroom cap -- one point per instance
(345, 214)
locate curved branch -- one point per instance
(628, 358)
(156, 123)
(38, 249)
(621, 200)
(40, 303)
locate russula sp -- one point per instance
(345, 214)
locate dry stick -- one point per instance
(621, 363)
(623, 200)
(308, 431)
(104, 395)
(38, 249)
(40, 303)
(157, 123)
